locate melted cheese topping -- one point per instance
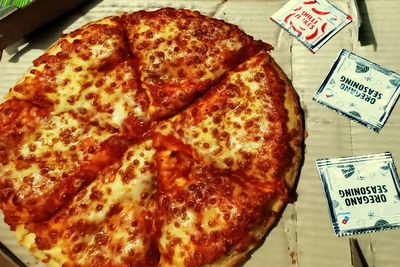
(181, 53)
(207, 212)
(88, 72)
(50, 164)
(239, 125)
(105, 223)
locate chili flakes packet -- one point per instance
(312, 23)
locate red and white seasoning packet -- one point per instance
(313, 23)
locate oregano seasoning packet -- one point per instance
(362, 193)
(360, 90)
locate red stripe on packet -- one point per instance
(288, 16)
(309, 2)
(295, 29)
(316, 11)
(323, 27)
(313, 35)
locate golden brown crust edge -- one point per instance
(295, 121)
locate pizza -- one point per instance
(156, 138)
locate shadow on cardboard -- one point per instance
(44, 36)
(366, 34)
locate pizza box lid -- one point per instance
(303, 236)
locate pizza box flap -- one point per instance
(303, 236)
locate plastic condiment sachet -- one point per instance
(362, 193)
(312, 23)
(360, 90)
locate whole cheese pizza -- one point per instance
(162, 138)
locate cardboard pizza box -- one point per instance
(18, 18)
(303, 237)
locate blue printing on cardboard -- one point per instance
(348, 167)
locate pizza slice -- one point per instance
(250, 122)
(73, 63)
(113, 222)
(181, 53)
(48, 166)
(89, 71)
(209, 214)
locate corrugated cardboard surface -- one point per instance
(303, 237)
